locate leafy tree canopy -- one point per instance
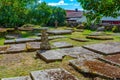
(96, 9)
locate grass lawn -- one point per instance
(21, 64)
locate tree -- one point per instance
(96, 9)
(41, 13)
(59, 15)
(13, 12)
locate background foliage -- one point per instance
(96, 9)
(15, 13)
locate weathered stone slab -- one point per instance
(113, 59)
(38, 34)
(50, 55)
(53, 74)
(96, 67)
(9, 41)
(33, 45)
(116, 34)
(16, 48)
(22, 40)
(62, 45)
(79, 52)
(25, 29)
(18, 78)
(113, 43)
(80, 40)
(100, 37)
(55, 37)
(97, 34)
(58, 32)
(105, 49)
(3, 49)
(10, 37)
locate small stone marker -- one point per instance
(62, 45)
(113, 59)
(16, 48)
(44, 40)
(100, 37)
(80, 40)
(56, 23)
(96, 67)
(52, 74)
(105, 49)
(50, 55)
(59, 32)
(18, 78)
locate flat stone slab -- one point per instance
(75, 52)
(113, 59)
(79, 52)
(24, 40)
(50, 55)
(97, 34)
(116, 34)
(100, 37)
(96, 67)
(18, 78)
(80, 40)
(113, 43)
(62, 45)
(16, 48)
(52, 74)
(3, 49)
(33, 45)
(38, 34)
(105, 49)
(58, 32)
(9, 41)
(25, 29)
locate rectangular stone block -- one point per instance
(96, 67)
(50, 55)
(9, 42)
(79, 52)
(62, 45)
(18, 78)
(33, 45)
(22, 40)
(53, 74)
(16, 48)
(105, 49)
(58, 32)
(112, 59)
(3, 49)
(100, 37)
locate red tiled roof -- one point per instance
(73, 14)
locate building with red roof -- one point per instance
(73, 15)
